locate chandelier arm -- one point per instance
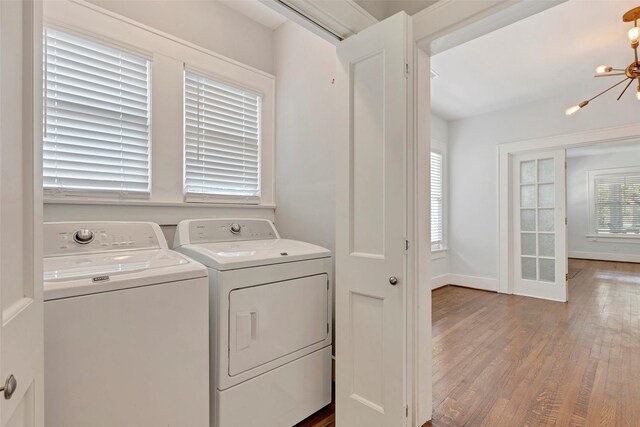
(625, 89)
(610, 75)
(607, 90)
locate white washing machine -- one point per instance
(126, 328)
(270, 311)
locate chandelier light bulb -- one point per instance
(574, 109)
(602, 69)
(634, 35)
(638, 93)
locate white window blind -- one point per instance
(222, 140)
(96, 113)
(437, 202)
(617, 199)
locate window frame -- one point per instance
(169, 55)
(222, 198)
(593, 233)
(440, 148)
(62, 195)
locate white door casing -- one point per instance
(374, 117)
(539, 224)
(21, 336)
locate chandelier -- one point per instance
(631, 73)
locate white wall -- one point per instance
(305, 68)
(473, 201)
(209, 24)
(305, 160)
(581, 246)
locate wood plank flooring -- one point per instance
(502, 360)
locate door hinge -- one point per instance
(566, 220)
(406, 69)
(327, 328)
(406, 411)
(566, 277)
(406, 245)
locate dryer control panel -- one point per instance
(224, 230)
(68, 238)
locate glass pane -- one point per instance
(529, 268)
(546, 219)
(547, 270)
(528, 196)
(528, 220)
(545, 170)
(547, 244)
(528, 244)
(546, 196)
(528, 172)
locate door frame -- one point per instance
(506, 152)
(446, 24)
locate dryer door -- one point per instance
(269, 321)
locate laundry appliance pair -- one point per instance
(235, 330)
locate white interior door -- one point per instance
(371, 282)
(21, 338)
(539, 225)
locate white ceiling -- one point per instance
(552, 53)
(382, 9)
(257, 11)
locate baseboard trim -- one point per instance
(604, 256)
(440, 281)
(474, 282)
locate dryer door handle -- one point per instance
(246, 325)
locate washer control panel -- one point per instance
(67, 238)
(224, 230)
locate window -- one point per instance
(616, 200)
(222, 141)
(96, 118)
(437, 202)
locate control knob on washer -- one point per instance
(83, 236)
(235, 228)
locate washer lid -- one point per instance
(82, 274)
(252, 253)
(108, 263)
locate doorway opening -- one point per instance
(506, 128)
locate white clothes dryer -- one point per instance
(270, 311)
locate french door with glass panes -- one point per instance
(539, 225)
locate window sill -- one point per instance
(438, 253)
(613, 238)
(132, 202)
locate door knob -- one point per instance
(9, 387)
(393, 280)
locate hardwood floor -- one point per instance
(502, 360)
